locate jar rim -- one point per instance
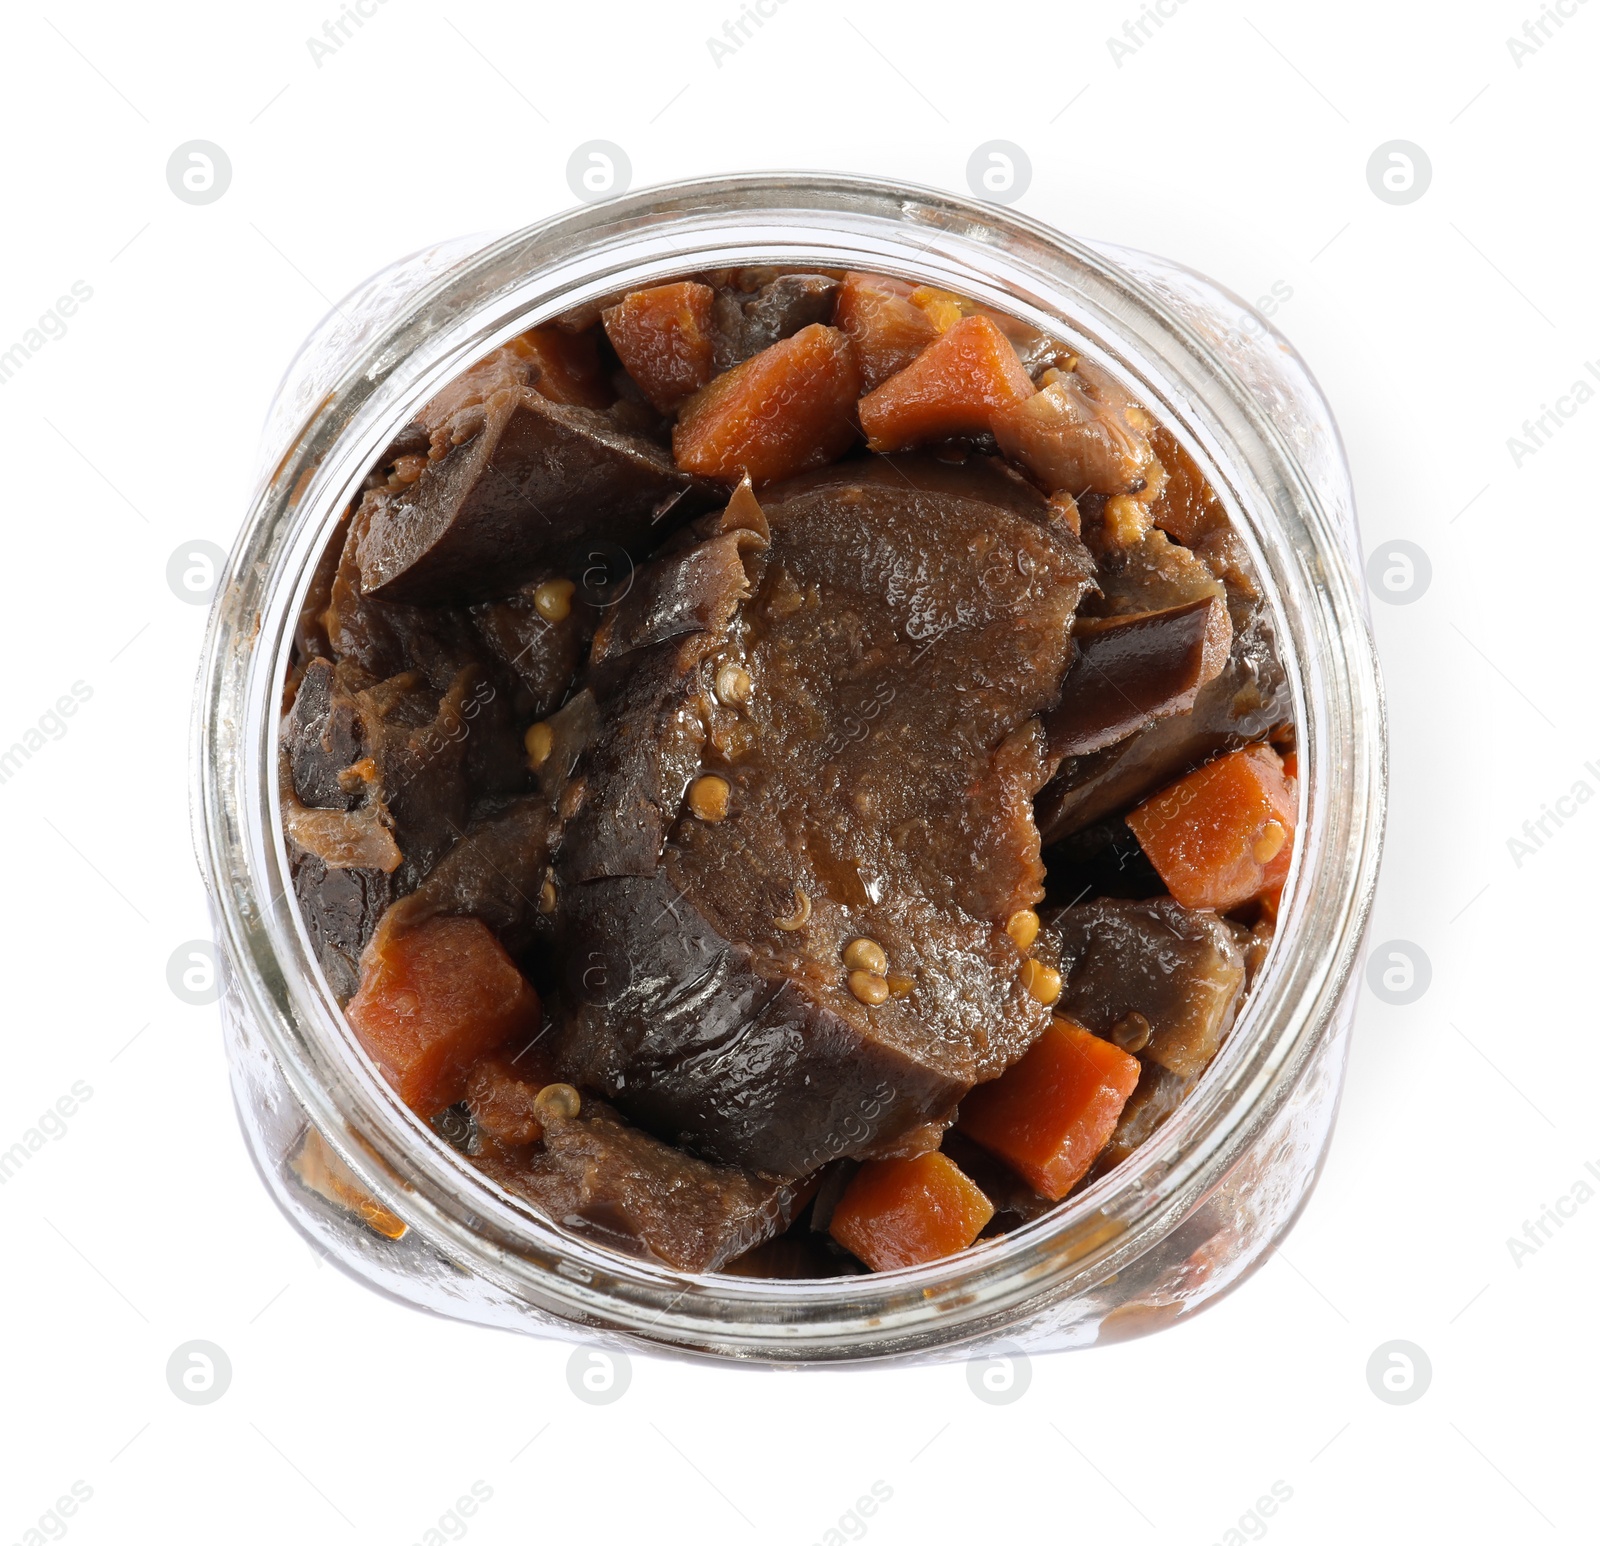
(1001, 258)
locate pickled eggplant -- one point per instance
(1171, 978)
(539, 636)
(745, 322)
(878, 616)
(376, 788)
(602, 1178)
(536, 482)
(758, 826)
(1133, 670)
(1245, 701)
(499, 871)
(1079, 432)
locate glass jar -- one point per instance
(1179, 1223)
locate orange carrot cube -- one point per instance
(954, 387)
(899, 1212)
(1223, 834)
(663, 336)
(434, 999)
(502, 1090)
(320, 1169)
(783, 410)
(568, 364)
(944, 307)
(1051, 1113)
(886, 328)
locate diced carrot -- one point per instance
(783, 410)
(663, 336)
(319, 1168)
(1050, 1114)
(954, 387)
(899, 1212)
(885, 327)
(432, 1000)
(1224, 833)
(569, 366)
(501, 1090)
(943, 307)
(1291, 765)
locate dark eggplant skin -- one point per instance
(671, 1021)
(1241, 702)
(523, 496)
(537, 656)
(496, 871)
(392, 761)
(1245, 700)
(1104, 859)
(1130, 672)
(746, 324)
(624, 1188)
(692, 587)
(633, 779)
(341, 908)
(322, 736)
(649, 668)
(1183, 970)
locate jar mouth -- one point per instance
(1049, 280)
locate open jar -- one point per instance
(1176, 1224)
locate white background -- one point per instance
(1235, 140)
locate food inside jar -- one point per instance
(789, 772)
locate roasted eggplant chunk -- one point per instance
(521, 497)
(903, 628)
(745, 323)
(1238, 704)
(386, 816)
(1133, 670)
(1181, 973)
(499, 871)
(600, 1177)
